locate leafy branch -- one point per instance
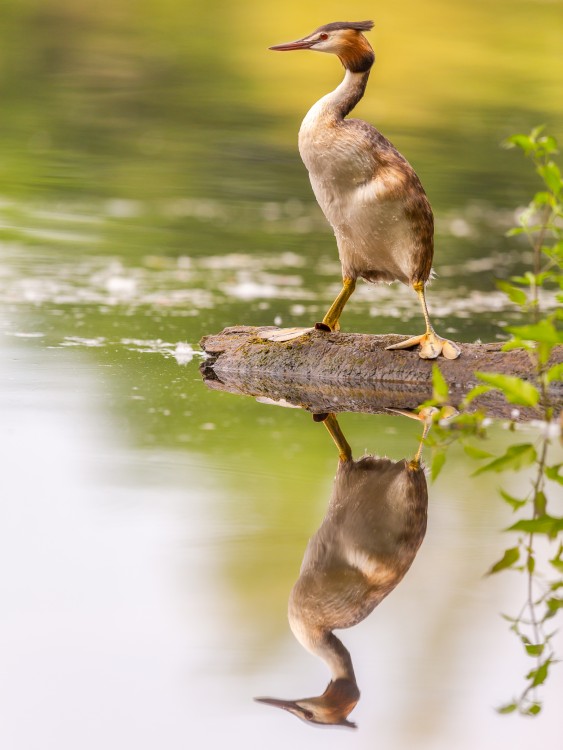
(541, 222)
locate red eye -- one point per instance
(323, 36)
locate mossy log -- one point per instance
(338, 372)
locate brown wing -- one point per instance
(406, 186)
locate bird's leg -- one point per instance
(415, 462)
(425, 416)
(330, 320)
(431, 345)
(331, 423)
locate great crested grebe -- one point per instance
(369, 193)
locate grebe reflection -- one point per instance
(369, 537)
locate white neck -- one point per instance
(338, 103)
(327, 647)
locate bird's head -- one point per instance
(342, 38)
(330, 708)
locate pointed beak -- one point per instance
(288, 46)
(294, 708)
(287, 705)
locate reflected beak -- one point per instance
(278, 703)
(288, 46)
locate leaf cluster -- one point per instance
(541, 223)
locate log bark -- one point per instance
(337, 372)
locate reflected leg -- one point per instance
(425, 416)
(414, 464)
(331, 423)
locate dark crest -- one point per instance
(339, 25)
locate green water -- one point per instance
(151, 528)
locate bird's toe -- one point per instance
(406, 344)
(429, 348)
(284, 334)
(432, 346)
(450, 350)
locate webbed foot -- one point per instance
(431, 346)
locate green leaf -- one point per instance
(516, 457)
(521, 141)
(554, 605)
(507, 709)
(554, 251)
(534, 709)
(526, 216)
(512, 501)
(556, 561)
(476, 453)
(507, 560)
(549, 144)
(517, 344)
(439, 386)
(509, 618)
(514, 231)
(549, 525)
(475, 392)
(551, 176)
(526, 280)
(554, 373)
(514, 294)
(535, 132)
(553, 473)
(535, 649)
(515, 390)
(543, 198)
(539, 675)
(540, 503)
(544, 332)
(438, 461)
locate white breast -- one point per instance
(373, 234)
